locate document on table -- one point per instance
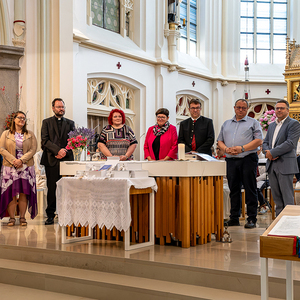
(287, 226)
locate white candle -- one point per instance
(181, 151)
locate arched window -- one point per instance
(257, 109)
(103, 96)
(263, 31)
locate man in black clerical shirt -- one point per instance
(196, 132)
(54, 141)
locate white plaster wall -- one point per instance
(140, 77)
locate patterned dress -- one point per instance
(15, 181)
(118, 140)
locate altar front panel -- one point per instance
(188, 202)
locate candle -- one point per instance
(181, 151)
(183, 23)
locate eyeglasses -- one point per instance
(280, 108)
(21, 118)
(60, 107)
(195, 108)
(161, 118)
(241, 108)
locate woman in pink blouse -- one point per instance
(161, 139)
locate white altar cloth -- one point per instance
(97, 201)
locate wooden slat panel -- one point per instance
(202, 216)
(209, 208)
(146, 216)
(165, 214)
(157, 208)
(205, 210)
(177, 214)
(170, 210)
(108, 235)
(185, 196)
(140, 218)
(97, 232)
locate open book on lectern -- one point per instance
(201, 156)
(287, 226)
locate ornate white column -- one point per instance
(19, 24)
(172, 33)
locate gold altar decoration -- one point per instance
(292, 77)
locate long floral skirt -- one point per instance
(15, 181)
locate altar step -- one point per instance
(101, 285)
(106, 277)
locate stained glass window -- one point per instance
(106, 14)
(263, 30)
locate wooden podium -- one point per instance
(278, 248)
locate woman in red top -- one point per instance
(161, 139)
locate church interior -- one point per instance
(139, 56)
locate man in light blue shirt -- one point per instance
(240, 138)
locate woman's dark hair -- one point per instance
(13, 126)
(110, 122)
(162, 111)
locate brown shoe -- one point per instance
(23, 222)
(11, 222)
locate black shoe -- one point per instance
(250, 224)
(232, 222)
(49, 221)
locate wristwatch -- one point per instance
(243, 149)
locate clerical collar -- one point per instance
(58, 119)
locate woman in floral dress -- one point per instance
(18, 146)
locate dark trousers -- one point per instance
(52, 174)
(298, 174)
(260, 196)
(242, 171)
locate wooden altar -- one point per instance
(188, 202)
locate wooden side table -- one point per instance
(278, 248)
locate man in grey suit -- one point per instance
(279, 147)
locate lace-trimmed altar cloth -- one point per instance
(97, 201)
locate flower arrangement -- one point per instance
(268, 117)
(80, 138)
(8, 121)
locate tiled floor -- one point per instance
(242, 255)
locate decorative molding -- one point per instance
(19, 43)
(264, 107)
(128, 4)
(182, 106)
(104, 95)
(79, 37)
(92, 45)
